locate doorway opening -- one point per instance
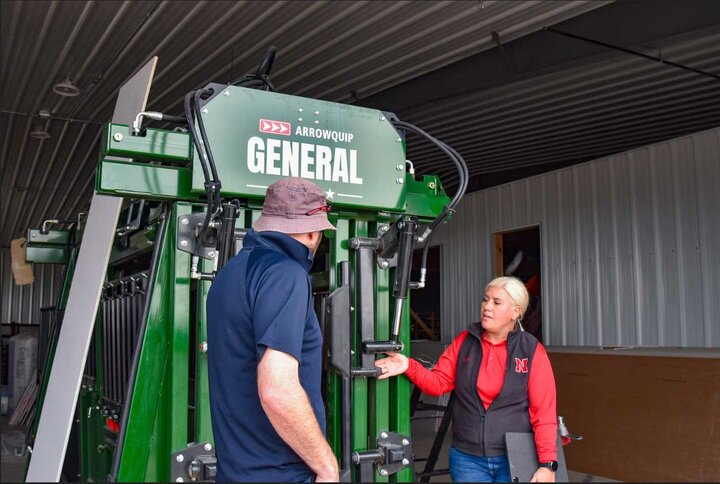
(517, 253)
(425, 303)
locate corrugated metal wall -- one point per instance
(630, 247)
(21, 304)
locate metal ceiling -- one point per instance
(610, 104)
(339, 51)
(326, 50)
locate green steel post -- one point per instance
(179, 363)
(361, 439)
(145, 452)
(381, 393)
(203, 424)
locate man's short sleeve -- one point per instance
(280, 310)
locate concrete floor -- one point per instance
(12, 451)
(12, 465)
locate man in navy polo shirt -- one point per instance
(265, 346)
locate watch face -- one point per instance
(552, 465)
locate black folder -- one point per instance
(522, 457)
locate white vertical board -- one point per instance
(58, 411)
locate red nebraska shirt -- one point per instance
(541, 386)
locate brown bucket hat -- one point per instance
(294, 206)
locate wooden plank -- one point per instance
(643, 418)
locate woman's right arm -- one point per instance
(435, 382)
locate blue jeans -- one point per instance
(472, 468)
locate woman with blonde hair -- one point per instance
(503, 382)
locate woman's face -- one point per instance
(498, 311)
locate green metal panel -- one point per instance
(141, 180)
(156, 423)
(257, 137)
(54, 237)
(156, 144)
(425, 196)
(178, 364)
(50, 248)
(46, 255)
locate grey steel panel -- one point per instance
(628, 247)
(707, 153)
(21, 304)
(66, 375)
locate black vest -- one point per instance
(478, 431)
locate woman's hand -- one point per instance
(395, 364)
(543, 474)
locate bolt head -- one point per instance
(405, 462)
(205, 111)
(406, 442)
(299, 110)
(399, 181)
(399, 140)
(317, 122)
(384, 435)
(382, 118)
(399, 167)
(180, 458)
(183, 243)
(184, 221)
(317, 112)
(179, 479)
(208, 447)
(203, 347)
(118, 137)
(226, 93)
(211, 253)
(384, 264)
(383, 472)
(299, 120)
(431, 185)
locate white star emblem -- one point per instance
(329, 194)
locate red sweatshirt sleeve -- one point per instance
(543, 400)
(441, 379)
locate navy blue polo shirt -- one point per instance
(262, 298)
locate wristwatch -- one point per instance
(552, 465)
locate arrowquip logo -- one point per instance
(275, 127)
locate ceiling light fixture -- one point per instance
(39, 132)
(66, 88)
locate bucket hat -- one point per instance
(294, 206)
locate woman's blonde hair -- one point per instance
(515, 288)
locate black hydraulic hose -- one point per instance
(266, 65)
(462, 186)
(215, 182)
(193, 133)
(457, 159)
(206, 173)
(261, 78)
(203, 134)
(174, 119)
